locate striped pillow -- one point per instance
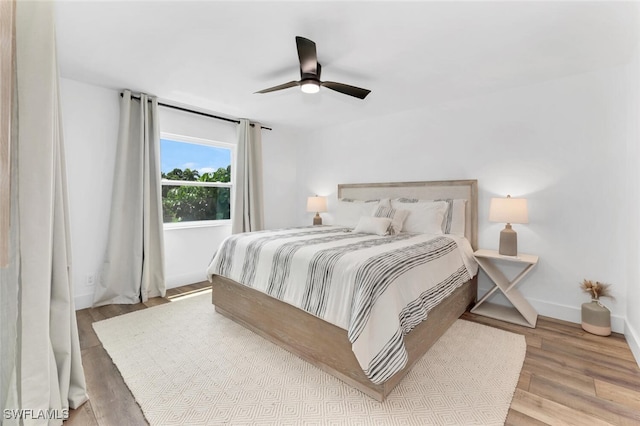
(455, 218)
(397, 218)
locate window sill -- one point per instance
(198, 224)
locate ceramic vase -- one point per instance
(596, 318)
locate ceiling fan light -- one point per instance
(310, 86)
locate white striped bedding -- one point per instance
(376, 287)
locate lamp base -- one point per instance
(317, 219)
(508, 241)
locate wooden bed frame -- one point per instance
(326, 345)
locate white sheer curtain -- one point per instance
(134, 262)
(46, 374)
(248, 205)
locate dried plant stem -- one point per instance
(596, 289)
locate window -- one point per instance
(196, 180)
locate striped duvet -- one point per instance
(377, 288)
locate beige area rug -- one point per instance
(187, 365)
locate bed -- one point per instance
(347, 334)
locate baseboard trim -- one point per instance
(83, 301)
(86, 300)
(562, 312)
(185, 279)
(572, 314)
(634, 342)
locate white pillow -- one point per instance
(425, 217)
(348, 212)
(397, 217)
(373, 225)
(455, 220)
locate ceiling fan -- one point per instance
(310, 74)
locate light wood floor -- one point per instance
(569, 376)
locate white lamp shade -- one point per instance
(317, 204)
(508, 210)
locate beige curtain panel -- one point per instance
(42, 372)
(133, 269)
(248, 206)
(10, 270)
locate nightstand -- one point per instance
(522, 312)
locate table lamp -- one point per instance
(317, 204)
(508, 210)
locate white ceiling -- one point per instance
(213, 55)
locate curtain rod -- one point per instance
(231, 120)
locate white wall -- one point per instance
(90, 117)
(632, 328)
(90, 120)
(279, 154)
(561, 144)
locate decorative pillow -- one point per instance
(397, 217)
(455, 219)
(425, 217)
(348, 212)
(373, 225)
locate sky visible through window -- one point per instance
(203, 158)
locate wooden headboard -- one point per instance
(427, 190)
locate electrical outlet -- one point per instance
(90, 280)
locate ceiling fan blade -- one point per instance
(346, 89)
(307, 55)
(280, 87)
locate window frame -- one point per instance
(167, 182)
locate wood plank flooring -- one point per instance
(572, 377)
(569, 377)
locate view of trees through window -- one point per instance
(196, 183)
